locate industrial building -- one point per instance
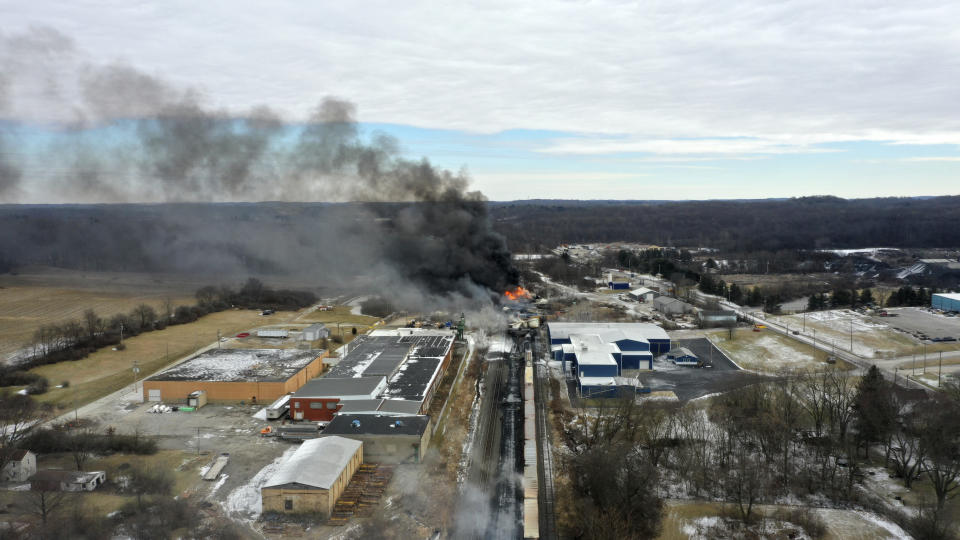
(313, 478)
(260, 375)
(386, 439)
(596, 354)
(946, 301)
(402, 368)
(671, 306)
(320, 399)
(643, 294)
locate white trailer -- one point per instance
(279, 408)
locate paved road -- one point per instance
(690, 382)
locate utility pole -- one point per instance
(804, 322)
(851, 335)
(940, 369)
(198, 441)
(924, 359)
(218, 338)
(914, 363)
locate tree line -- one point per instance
(755, 225)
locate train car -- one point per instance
(531, 491)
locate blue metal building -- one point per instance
(946, 301)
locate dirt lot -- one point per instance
(872, 336)
(769, 352)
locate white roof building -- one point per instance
(317, 463)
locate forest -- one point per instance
(734, 225)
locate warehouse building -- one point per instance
(257, 375)
(643, 294)
(630, 338)
(401, 368)
(313, 478)
(946, 301)
(671, 306)
(320, 399)
(386, 439)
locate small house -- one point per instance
(315, 332)
(22, 465)
(68, 480)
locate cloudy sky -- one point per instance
(577, 99)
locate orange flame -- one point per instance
(517, 293)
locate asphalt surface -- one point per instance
(918, 321)
(691, 382)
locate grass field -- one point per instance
(769, 352)
(339, 314)
(23, 309)
(107, 371)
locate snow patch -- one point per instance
(244, 502)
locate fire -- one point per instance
(517, 293)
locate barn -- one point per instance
(311, 481)
(258, 375)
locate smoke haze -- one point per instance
(123, 136)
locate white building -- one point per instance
(315, 332)
(643, 294)
(22, 465)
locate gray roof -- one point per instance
(316, 464)
(359, 405)
(376, 424)
(682, 351)
(400, 406)
(336, 387)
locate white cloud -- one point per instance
(804, 71)
(933, 159)
(679, 146)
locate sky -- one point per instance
(561, 100)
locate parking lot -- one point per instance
(690, 382)
(918, 322)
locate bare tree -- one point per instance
(44, 496)
(941, 441)
(19, 415)
(144, 316)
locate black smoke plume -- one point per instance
(408, 222)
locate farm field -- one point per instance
(769, 352)
(871, 339)
(23, 309)
(107, 370)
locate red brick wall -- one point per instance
(323, 414)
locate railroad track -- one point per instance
(545, 470)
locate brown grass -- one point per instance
(748, 352)
(107, 371)
(23, 309)
(339, 314)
